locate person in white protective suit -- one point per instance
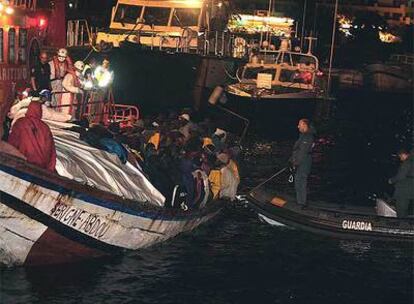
(60, 65)
(73, 87)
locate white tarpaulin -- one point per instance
(81, 162)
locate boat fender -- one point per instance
(216, 95)
(278, 201)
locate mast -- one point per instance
(332, 47)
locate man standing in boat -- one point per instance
(404, 183)
(301, 159)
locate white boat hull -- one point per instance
(42, 222)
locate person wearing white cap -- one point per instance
(72, 85)
(60, 65)
(187, 126)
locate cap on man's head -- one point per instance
(185, 117)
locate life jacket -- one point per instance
(56, 64)
(155, 140)
(215, 182)
(207, 141)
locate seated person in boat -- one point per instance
(33, 138)
(404, 183)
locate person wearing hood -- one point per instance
(404, 183)
(72, 85)
(301, 159)
(33, 138)
(60, 65)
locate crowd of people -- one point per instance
(189, 163)
(69, 82)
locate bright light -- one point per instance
(220, 4)
(42, 22)
(189, 3)
(9, 10)
(254, 24)
(1, 7)
(103, 76)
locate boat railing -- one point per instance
(79, 33)
(99, 107)
(403, 59)
(25, 4)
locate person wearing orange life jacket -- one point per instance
(72, 86)
(60, 65)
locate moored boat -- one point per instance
(333, 220)
(281, 86)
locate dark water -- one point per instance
(237, 259)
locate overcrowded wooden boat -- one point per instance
(46, 218)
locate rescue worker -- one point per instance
(60, 65)
(72, 86)
(404, 183)
(40, 74)
(103, 75)
(33, 138)
(301, 159)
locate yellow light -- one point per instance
(1, 7)
(9, 10)
(189, 3)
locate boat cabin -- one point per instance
(281, 68)
(155, 23)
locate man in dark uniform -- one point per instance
(404, 183)
(301, 159)
(40, 74)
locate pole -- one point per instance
(303, 24)
(269, 179)
(269, 11)
(332, 47)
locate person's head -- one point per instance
(45, 95)
(43, 57)
(105, 63)
(403, 154)
(303, 125)
(62, 54)
(79, 66)
(184, 117)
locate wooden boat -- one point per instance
(332, 220)
(47, 219)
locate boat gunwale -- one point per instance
(307, 222)
(92, 195)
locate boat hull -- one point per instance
(277, 115)
(46, 219)
(335, 222)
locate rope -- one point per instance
(269, 179)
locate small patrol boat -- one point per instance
(333, 220)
